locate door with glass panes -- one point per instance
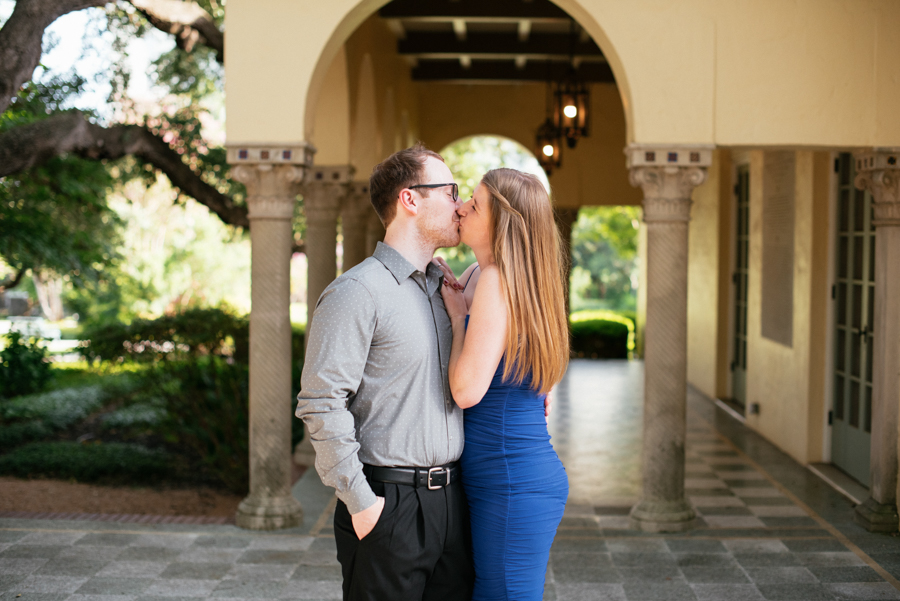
(854, 298)
(739, 280)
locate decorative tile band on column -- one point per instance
(272, 188)
(667, 176)
(878, 171)
(268, 154)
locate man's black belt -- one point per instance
(432, 478)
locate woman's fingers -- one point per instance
(448, 273)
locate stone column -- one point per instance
(667, 177)
(354, 224)
(272, 187)
(879, 173)
(324, 190)
(374, 232)
(565, 220)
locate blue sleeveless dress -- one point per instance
(516, 487)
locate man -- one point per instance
(376, 400)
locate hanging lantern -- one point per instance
(547, 146)
(570, 109)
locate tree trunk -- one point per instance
(49, 292)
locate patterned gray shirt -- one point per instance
(374, 387)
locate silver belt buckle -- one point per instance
(433, 470)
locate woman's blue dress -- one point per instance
(516, 487)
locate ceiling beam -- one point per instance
(524, 30)
(459, 29)
(507, 72)
(472, 9)
(445, 44)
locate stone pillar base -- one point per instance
(876, 517)
(270, 513)
(662, 516)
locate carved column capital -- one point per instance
(667, 176)
(324, 190)
(271, 189)
(878, 171)
(358, 202)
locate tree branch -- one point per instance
(187, 21)
(12, 281)
(20, 40)
(30, 145)
(21, 35)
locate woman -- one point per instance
(510, 347)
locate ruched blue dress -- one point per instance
(516, 487)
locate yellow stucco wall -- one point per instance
(593, 173)
(738, 72)
(333, 115)
(708, 268)
(788, 383)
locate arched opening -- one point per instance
(535, 21)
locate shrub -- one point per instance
(206, 413)
(13, 435)
(192, 333)
(37, 416)
(143, 414)
(24, 368)
(600, 339)
(86, 462)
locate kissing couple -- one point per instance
(424, 396)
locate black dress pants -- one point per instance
(419, 549)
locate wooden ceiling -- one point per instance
(492, 41)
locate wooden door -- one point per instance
(854, 298)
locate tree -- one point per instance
(47, 152)
(604, 257)
(53, 217)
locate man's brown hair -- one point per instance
(402, 169)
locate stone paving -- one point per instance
(756, 537)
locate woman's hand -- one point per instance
(454, 301)
(448, 273)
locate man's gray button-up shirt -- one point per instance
(374, 387)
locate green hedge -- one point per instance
(189, 334)
(601, 335)
(119, 462)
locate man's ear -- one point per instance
(408, 201)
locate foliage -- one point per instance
(23, 367)
(87, 462)
(143, 415)
(191, 333)
(604, 257)
(599, 339)
(54, 217)
(62, 408)
(626, 318)
(207, 413)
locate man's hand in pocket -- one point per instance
(365, 520)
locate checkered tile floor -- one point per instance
(754, 538)
(752, 541)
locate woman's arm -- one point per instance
(475, 354)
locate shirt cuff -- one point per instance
(358, 498)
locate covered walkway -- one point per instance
(767, 527)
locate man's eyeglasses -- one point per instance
(454, 191)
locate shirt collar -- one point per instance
(401, 269)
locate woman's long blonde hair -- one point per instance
(526, 246)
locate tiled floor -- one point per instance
(755, 537)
